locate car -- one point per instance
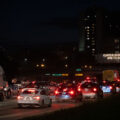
(108, 87)
(117, 86)
(68, 92)
(90, 90)
(33, 96)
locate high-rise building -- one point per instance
(91, 30)
(99, 31)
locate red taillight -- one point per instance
(94, 89)
(65, 89)
(56, 92)
(111, 87)
(31, 90)
(71, 92)
(19, 97)
(104, 81)
(87, 78)
(21, 90)
(79, 89)
(37, 97)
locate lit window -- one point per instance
(88, 32)
(88, 46)
(93, 49)
(88, 16)
(88, 38)
(87, 27)
(116, 40)
(93, 43)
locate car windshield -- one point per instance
(107, 83)
(30, 91)
(88, 85)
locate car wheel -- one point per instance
(20, 105)
(42, 103)
(79, 98)
(50, 104)
(98, 96)
(1, 97)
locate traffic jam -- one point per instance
(44, 94)
(40, 94)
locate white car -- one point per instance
(33, 96)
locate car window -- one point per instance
(88, 85)
(30, 92)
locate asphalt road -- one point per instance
(10, 110)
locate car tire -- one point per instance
(79, 98)
(42, 103)
(1, 97)
(20, 106)
(50, 104)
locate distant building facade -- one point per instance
(99, 32)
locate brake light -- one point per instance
(104, 81)
(87, 78)
(94, 89)
(111, 87)
(79, 89)
(19, 97)
(31, 90)
(65, 89)
(37, 97)
(22, 90)
(71, 92)
(56, 92)
(33, 82)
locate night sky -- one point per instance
(33, 23)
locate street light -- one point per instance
(37, 65)
(66, 65)
(42, 65)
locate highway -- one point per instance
(10, 110)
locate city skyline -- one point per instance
(33, 23)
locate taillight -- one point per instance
(95, 89)
(71, 92)
(37, 97)
(65, 89)
(21, 90)
(31, 90)
(56, 92)
(19, 97)
(111, 87)
(79, 89)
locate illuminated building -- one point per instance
(99, 31)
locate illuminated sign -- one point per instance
(57, 75)
(79, 74)
(112, 56)
(47, 74)
(108, 58)
(78, 69)
(65, 75)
